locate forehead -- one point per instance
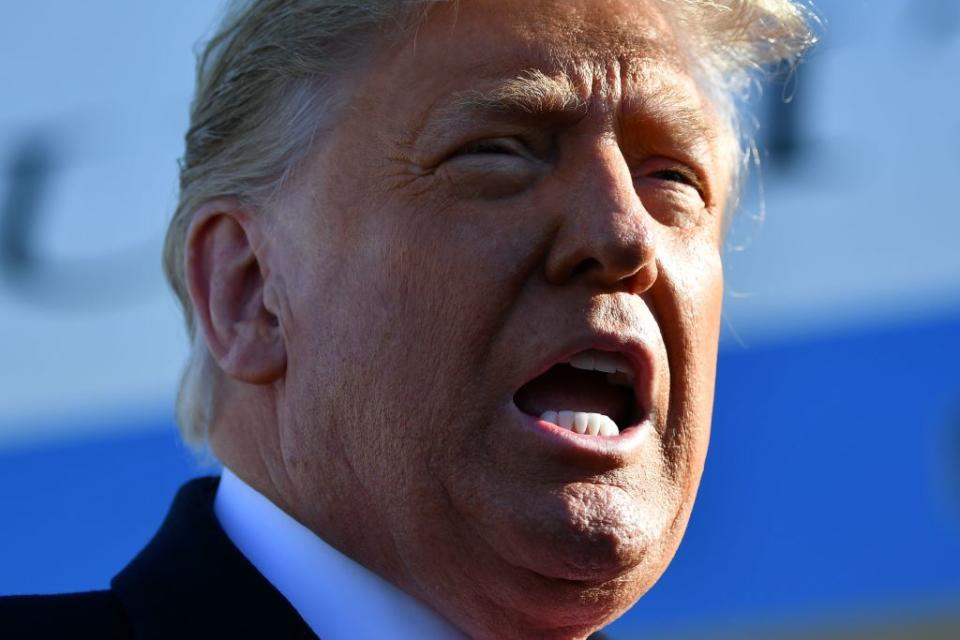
(591, 28)
(542, 56)
(478, 38)
(479, 35)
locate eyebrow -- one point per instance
(536, 94)
(531, 93)
(674, 112)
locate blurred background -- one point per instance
(830, 506)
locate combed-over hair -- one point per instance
(265, 90)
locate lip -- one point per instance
(576, 447)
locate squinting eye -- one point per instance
(491, 168)
(671, 174)
(495, 146)
(675, 175)
(678, 175)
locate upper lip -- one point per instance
(635, 350)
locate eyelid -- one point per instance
(687, 174)
(692, 179)
(496, 146)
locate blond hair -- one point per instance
(265, 89)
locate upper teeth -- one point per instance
(617, 366)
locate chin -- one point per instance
(558, 608)
(609, 585)
(556, 561)
(591, 549)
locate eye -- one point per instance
(673, 192)
(496, 146)
(680, 175)
(491, 168)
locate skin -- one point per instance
(373, 327)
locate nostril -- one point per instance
(585, 266)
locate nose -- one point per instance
(605, 235)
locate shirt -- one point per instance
(337, 597)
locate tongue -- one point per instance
(564, 388)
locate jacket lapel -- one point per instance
(190, 581)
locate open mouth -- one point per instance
(593, 393)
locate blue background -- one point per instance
(831, 495)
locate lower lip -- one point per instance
(565, 442)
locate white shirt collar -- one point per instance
(335, 596)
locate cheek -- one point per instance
(695, 284)
(703, 284)
(448, 277)
(693, 272)
(399, 335)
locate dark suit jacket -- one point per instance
(189, 582)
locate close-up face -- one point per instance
(517, 215)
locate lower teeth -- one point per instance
(593, 424)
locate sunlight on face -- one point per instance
(514, 229)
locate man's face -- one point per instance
(519, 185)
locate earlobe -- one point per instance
(225, 278)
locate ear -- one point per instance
(225, 279)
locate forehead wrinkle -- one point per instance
(589, 66)
(580, 54)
